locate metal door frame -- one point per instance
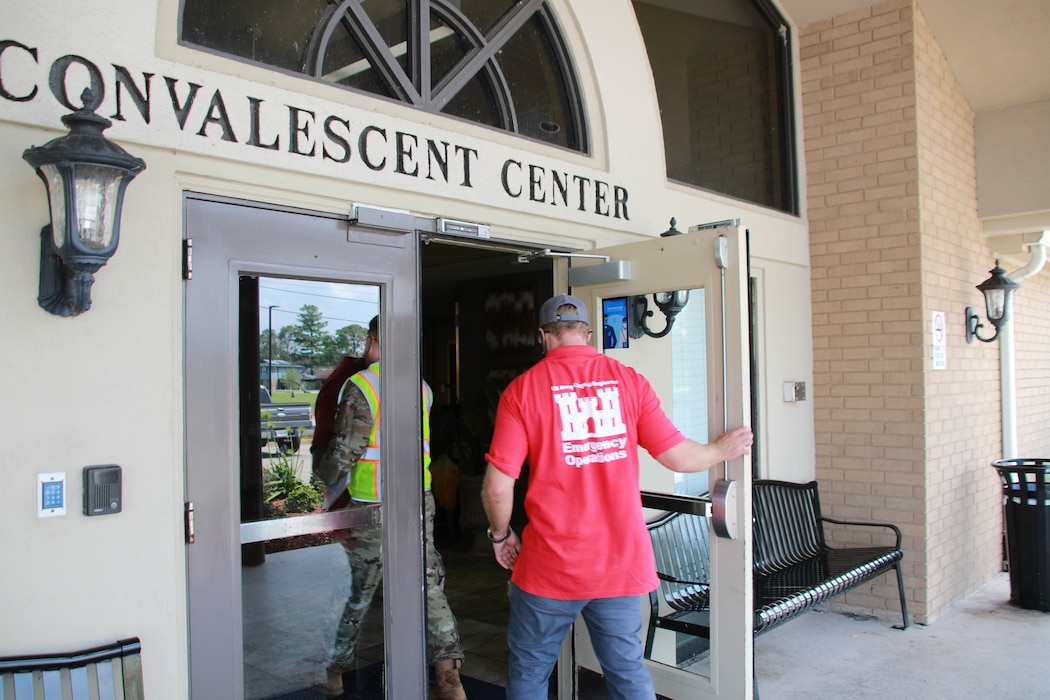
(230, 238)
(725, 269)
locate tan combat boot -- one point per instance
(335, 681)
(447, 685)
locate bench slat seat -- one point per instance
(112, 672)
(793, 568)
(680, 546)
(781, 595)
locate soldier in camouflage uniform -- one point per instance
(353, 457)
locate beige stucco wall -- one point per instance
(107, 387)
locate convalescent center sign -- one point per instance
(366, 145)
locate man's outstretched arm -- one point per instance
(692, 456)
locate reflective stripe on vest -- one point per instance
(366, 481)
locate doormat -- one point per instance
(367, 684)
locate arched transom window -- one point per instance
(501, 63)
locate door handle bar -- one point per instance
(281, 528)
(691, 505)
(720, 507)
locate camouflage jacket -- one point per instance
(353, 425)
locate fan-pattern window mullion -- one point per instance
(379, 54)
(426, 53)
(485, 52)
(419, 51)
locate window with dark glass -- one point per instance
(501, 63)
(723, 79)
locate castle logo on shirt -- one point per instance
(592, 427)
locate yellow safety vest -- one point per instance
(366, 479)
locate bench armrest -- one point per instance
(860, 523)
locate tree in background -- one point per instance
(310, 335)
(284, 346)
(309, 343)
(264, 345)
(350, 340)
(291, 379)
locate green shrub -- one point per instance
(304, 498)
(280, 479)
(282, 482)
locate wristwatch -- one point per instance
(501, 538)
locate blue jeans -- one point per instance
(538, 625)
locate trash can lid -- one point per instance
(1023, 462)
(1022, 465)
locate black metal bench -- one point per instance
(112, 672)
(793, 567)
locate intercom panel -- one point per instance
(102, 490)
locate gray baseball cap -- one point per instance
(549, 311)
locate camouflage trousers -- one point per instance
(364, 550)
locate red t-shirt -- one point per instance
(579, 418)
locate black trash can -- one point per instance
(1026, 502)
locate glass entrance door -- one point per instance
(268, 578)
(695, 286)
(295, 575)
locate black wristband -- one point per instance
(497, 540)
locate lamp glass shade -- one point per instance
(56, 192)
(95, 197)
(995, 304)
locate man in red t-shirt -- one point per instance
(578, 417)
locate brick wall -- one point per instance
(894, 235)
(963, 547)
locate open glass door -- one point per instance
(263, 616)
(700, 369)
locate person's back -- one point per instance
(578, 417)
(582, 502)
(351, 466)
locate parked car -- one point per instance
(284, 423)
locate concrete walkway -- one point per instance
(984, 647)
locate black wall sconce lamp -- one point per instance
(86, 175)
(997, 290)
(670, 303)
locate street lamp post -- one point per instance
(269, 364)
